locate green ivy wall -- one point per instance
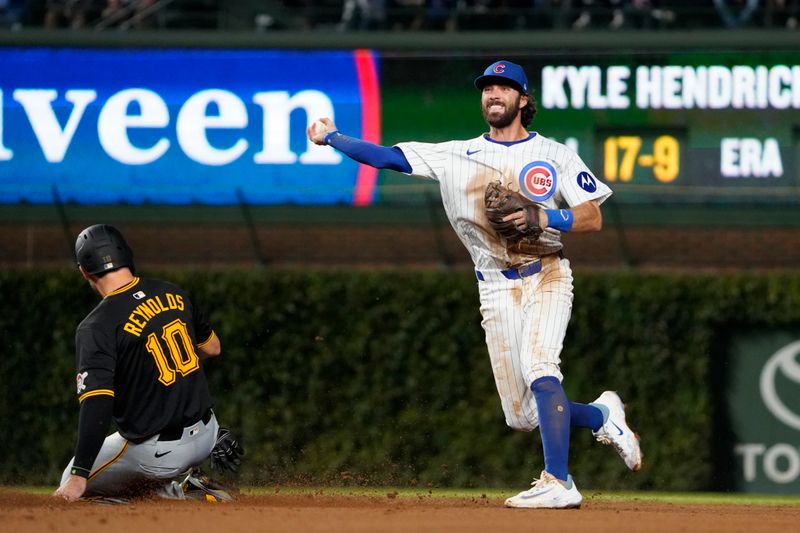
(383, 378)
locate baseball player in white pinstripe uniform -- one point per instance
(525, 286)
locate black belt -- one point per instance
(177, 432)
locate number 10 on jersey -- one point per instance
(623, 155)
(179, 348)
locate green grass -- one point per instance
(698, 498)
(695, 498)
(682, 498)
(28, 489)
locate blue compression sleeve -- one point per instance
(374, 155)
(554, 424)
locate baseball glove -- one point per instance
(501, 201)
(227, 452)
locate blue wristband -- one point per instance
(560, 219)
(329, 135)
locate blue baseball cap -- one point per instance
(504, 73)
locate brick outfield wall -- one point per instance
(46, 245)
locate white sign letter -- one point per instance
(38, 105)
(594, 90)
(771, 162)
(780, 97)
(617, 86)
(788, 452)
(193, 121)
(553, 94)
(648, 87)
(719, 87)
(749, 452)
(278, 107)
(729, 158)
(114, 121)
(5, 153)
(673, 98)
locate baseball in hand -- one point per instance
(318, 128)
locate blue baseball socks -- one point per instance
(554, 424)
(588, 415)
(556, 415)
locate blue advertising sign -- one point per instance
(183, 126)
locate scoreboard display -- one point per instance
(624, 154)
(658, 124)
(225, 125)
(692, 126)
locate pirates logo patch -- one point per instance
(79, 381)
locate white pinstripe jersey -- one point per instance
(544, 170)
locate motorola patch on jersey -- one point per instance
(537, 181)
(587, 182)
(139, 295)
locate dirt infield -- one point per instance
(25, 512)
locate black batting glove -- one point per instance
(227, 452)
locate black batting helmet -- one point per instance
(101, 248)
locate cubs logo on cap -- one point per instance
(504, 73)
(537, 181)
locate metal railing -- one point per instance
(130, 16)
(462, 16)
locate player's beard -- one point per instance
(502, 120)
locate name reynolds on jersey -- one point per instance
(206, 113)
(149, 308)
(671, 87)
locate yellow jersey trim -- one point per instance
(96, 392)
(209, 339)
(124, 287)
(110, 461)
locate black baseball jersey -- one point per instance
(139, 346)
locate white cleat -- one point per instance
(615, 431)
(547, 492)
(171, 491)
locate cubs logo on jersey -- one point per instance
(537, 181)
